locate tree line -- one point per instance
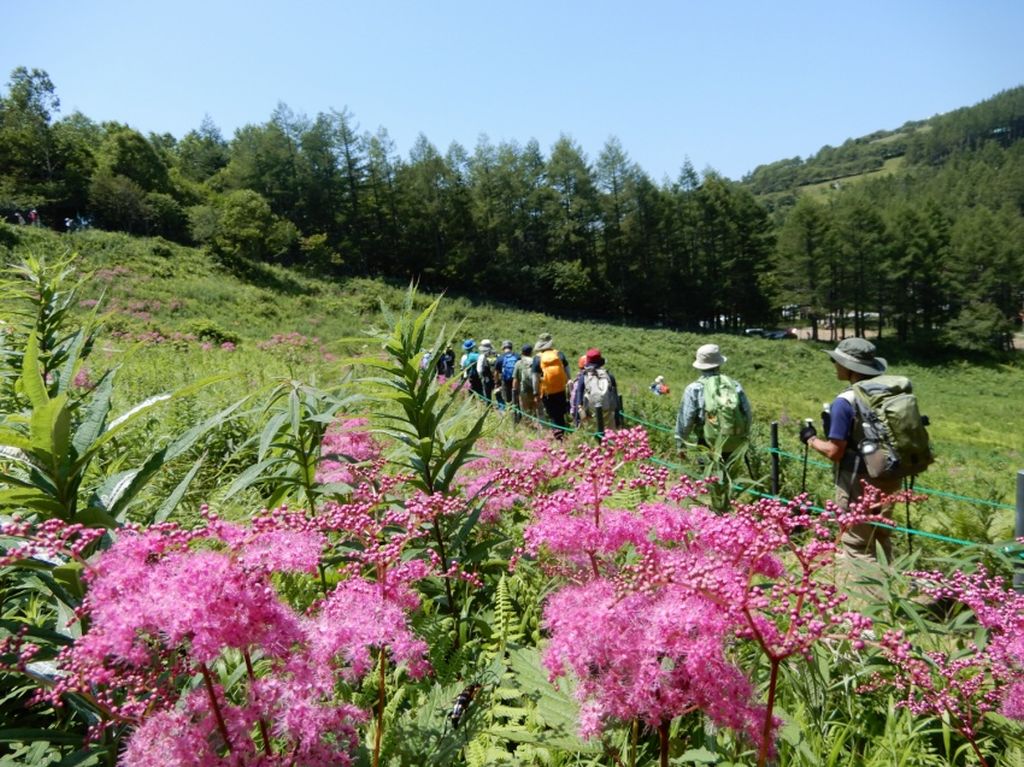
(924, 254)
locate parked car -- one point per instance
(778, 335)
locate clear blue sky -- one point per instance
(728, 84)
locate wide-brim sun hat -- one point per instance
(544, 342)
(858, 355)
(486, 344)
(709, 357)
(468, 344)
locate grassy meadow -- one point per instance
(174, 316)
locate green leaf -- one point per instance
(31, 734)
(178, 493)
(31, 375)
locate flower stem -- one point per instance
(766, 731)
(663, 743)
(380, 710)
(264, 730)
(208, 680)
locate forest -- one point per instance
(916, 233)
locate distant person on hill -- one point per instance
(714, 408)
(551, 374)
(659, 386)
(524, 393)
(855, 360)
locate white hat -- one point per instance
(659, 379)
(709, 357)
(486, 344)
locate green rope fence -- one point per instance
(783, 454)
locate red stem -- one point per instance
(208, 679)
(264, 730)
(663, 743)
(766, 732)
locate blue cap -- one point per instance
(468, 344)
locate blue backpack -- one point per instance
(508, 365)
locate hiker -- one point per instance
(506, 371)
(446, 365)
(714, 407)
(486, 365)
(551, 375)
(599, 396)
(659, 386)
(576, 393)
(855, 361)
(468, 367)
(524, 393)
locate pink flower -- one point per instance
(358, 617)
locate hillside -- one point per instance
(173, 308)
(927, 142)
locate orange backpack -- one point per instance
(553, 377)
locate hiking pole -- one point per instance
(909, 486)
(803, 477)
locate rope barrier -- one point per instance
(782, 453)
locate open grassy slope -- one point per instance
(155, 290)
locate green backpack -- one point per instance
(893, 438)
(725, 426)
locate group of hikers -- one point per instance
(873, 432)
(536, 382)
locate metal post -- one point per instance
(775, 457)
(1018, 531)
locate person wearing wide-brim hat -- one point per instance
(855, 360)
(692, 418)
(550, 371)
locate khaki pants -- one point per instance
(861, 540)
(529, 404)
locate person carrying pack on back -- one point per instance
(551, 375)
(524, 395)
(600, 397)
(506, 372)
(486, 366)
(714, 407)
(875, 435)
(468, 367)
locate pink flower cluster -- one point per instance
(350, 455)
(296, 345)
(165, 604)
(964, 681)
(661, 590)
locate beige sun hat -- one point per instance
(709, 357)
